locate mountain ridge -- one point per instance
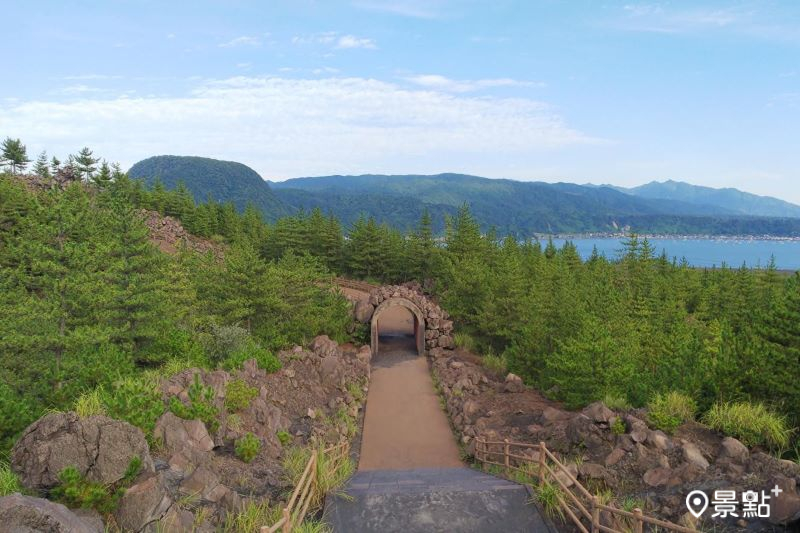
(517, 208)
(738, 201)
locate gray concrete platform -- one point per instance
(432, 500)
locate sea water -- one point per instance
(705, 252)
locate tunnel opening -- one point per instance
(398, 324)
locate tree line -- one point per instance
(628, 327)
(87, 301)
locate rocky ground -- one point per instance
(169, 235)
(192, 479)
(656, 469)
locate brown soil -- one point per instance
(404, 426)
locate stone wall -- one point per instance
(438, 334)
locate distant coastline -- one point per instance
(662, 236)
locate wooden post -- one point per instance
(595, 514)
(287, 519)
(542, 459)
(505, 452)
(637, 521)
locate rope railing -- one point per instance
(580, 505)
(299, 502)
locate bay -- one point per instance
(705, 252)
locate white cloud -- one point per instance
(351, 41)
(77, 89)
(334, 39)
(425, 9)
(442, 83)
(742, 19)
(291, 127)
(244, 40)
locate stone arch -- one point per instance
(419, 322)
(433, 330)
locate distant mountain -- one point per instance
(222, 180)
(515, 207)
(733, 200)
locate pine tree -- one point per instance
(55, 165)
(85, 163)
(41, 167)
(14, 155)
(135, 273)
(103, 178)
(774, 369)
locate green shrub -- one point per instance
(171, 342)
(201, 405)
(76, 491)
(224, 341)
(464, 341)
(284, 437)
(238, 395)
(16, 413)
(136, 401)
(752, 423)
(618, 426)
(247, 447)
(265, 359)
(617, 403)
(668, 411)
(9, 482)
(90, 403)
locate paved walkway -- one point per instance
(410, 477)
(404, 425)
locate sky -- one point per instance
(579, 91)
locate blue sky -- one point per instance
(581, 91)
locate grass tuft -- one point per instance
(495, 363)
(9, 482)
(547, 495)
(668, 411)
(752, 423)
(90, 403)
(312, 526)
(252, 517)
(464, 341)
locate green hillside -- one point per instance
(222, 180)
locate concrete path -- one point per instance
(432, 500)
(410, 477)
(404, 425)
